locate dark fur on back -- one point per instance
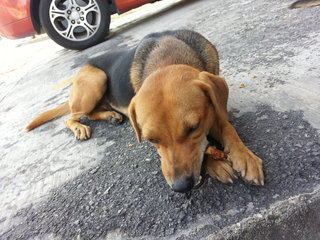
(127, 69)
(116, 65)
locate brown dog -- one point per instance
(170, 89)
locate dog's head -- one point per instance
(175, 109)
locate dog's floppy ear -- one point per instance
(216, 88)
(133, 120)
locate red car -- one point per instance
(74, 24)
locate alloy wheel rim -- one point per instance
(75, 20)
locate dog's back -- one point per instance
(172, 47)
(125, 70)
(117, 65)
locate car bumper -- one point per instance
(18, 29)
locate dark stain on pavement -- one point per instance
(128, 193)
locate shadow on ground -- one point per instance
(128, 194)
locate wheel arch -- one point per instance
(34, 12)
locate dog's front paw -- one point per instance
(220, 169)
(248, 165)
(82, 132)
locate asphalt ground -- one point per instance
(110, 187)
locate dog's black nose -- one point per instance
(183, 184)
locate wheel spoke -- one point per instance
(68, 33)
(72, 3)
(92, 6)
(89, 29)
(90, 24)
(56, 12)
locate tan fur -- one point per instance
(220, 170)
(135, 80)
(179, 101)
(87, 90)
(53, 113)
(64, 83)
(209, 53)
(141, 70)
(181, 96)
(48, 116)
(170, 52)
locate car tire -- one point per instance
(75, 24)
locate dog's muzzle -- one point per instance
(183, 184)
(187, 183)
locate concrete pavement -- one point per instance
(110, 187)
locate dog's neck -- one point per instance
(171, 51)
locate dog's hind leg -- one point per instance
(89, 87)
(110, 116)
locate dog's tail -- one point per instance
(64, 83)
(305, 3)
(49, 115)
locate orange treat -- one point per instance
(216, 154)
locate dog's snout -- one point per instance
(183, 184)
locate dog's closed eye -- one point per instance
(190, 130)
(154, 141)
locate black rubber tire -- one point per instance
(96, 38)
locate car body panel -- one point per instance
(15, 19)
(126, 5)
(13, 10)
(19, 29)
